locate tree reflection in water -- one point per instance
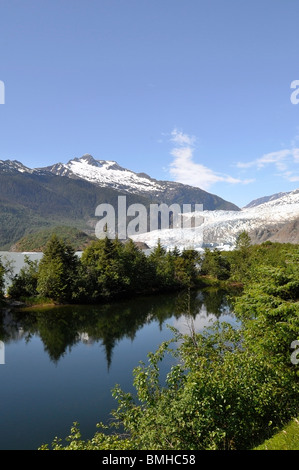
(60, 328)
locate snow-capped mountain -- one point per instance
(262, 200)
(106, 173)
(67, 194)
(221, 228)
(109, 174)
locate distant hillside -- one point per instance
(31, 202)
(37, 241)
(262, 200)
(282, 233)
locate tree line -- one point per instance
(107, 269)
(113, 269)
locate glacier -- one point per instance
(221, 228)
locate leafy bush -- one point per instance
(218, 395)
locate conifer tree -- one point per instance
(57, 273)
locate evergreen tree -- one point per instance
(173, 269)
(243, 241)
(104, 263)
(163, 265)
(58, 271)
(136, 267)
(241, 257)
(186, 268)
(215, 264)
(24, 284)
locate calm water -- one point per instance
(61, 363)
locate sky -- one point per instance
(194, 91)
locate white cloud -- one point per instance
(296, 155)
(293, 179)
(182, 139)
(285, 162)
(274, 157)
(185, 170)
(290, 176)
(281, 159)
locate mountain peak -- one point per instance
(86, 158)
(11, 166)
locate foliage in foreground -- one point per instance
(214, 398)
(229, 388)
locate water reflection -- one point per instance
(60, 328)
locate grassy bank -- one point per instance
(286, 439)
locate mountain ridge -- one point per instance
(108, 173)
(67, 194)
(33, 199)
(264, 199)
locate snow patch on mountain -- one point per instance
(107, 173)
(262, 200)
(11, 166)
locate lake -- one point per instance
(60, 364)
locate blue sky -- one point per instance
(196, 91)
